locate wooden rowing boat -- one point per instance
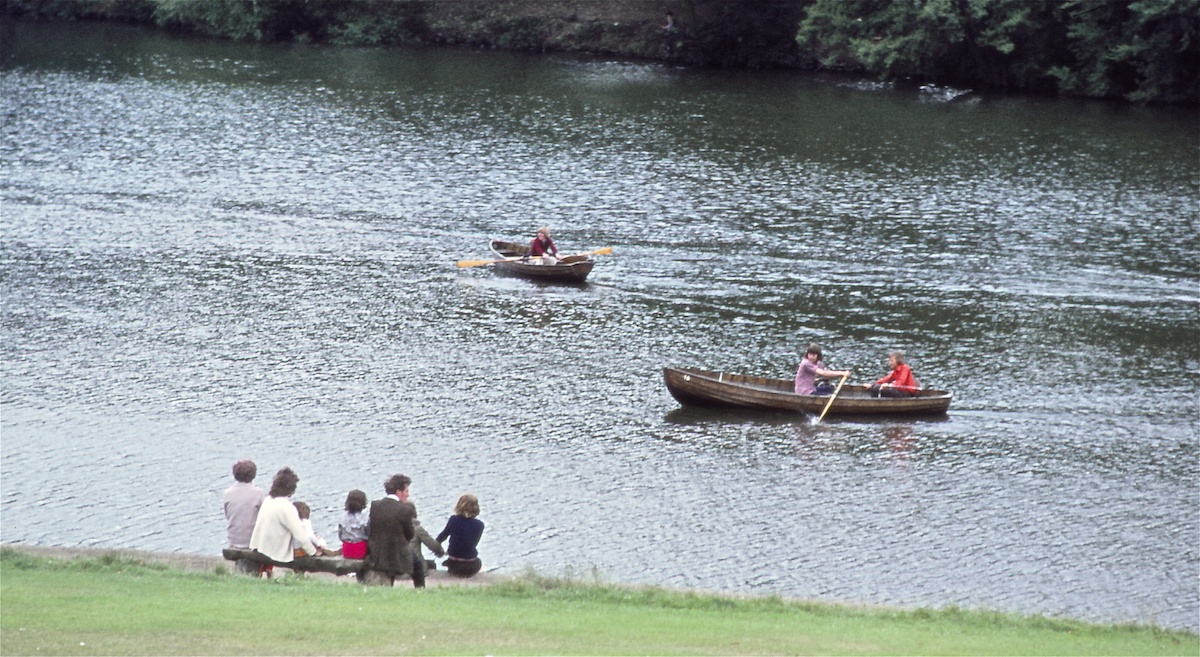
(571, 269)
(696, 387)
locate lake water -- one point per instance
(215, 251)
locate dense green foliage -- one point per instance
(1138, 50)
(116, 605)
(1148, 50)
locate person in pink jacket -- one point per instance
(812, 368)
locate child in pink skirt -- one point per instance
(353, 529)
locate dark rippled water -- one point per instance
(215, 251)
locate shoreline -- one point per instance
(205, 563)
(440, 578)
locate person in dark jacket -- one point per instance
(464, 530)
(391, 522)
(423, 537)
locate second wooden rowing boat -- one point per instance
(697, 387)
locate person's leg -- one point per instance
(463, 567)
(378, 578)
(246, 567)
(418, 573)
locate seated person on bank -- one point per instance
(278, 523)
(319, 542)
(464, 530)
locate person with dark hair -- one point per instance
(241, 502)
(464, 530)
(669, 25)
(422, 537)
(279, 523)
(900, 382)
(354, 528)
(391, 522)
(811, 368)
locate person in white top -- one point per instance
(279, 523)
(306, 521)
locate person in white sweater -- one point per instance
(279, 523)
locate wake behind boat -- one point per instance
(696, 387)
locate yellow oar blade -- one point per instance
(475, 263)
(605, 251)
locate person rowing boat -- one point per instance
(543, 247)
(812, 368)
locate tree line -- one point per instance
(1145, 51)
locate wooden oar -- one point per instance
(833, 397)
(475, 263)
(605, 251)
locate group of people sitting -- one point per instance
(813, 379)
(387, 536)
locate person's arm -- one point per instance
(291, 520)
(427, 541)
(312, 535)
(406, 522)
(906, 381)
(832, 374)
(446, 532)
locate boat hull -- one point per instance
(696, 387)
(572, 269)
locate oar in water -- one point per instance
(833, 396)
(475, 263)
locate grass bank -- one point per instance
(114, 605)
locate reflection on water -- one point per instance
(215, 251)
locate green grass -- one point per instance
(116, 606)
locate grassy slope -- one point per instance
(118, 606)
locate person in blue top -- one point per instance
(464, 530)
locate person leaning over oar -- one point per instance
(543, 247)
(811, 368)
(900, 382)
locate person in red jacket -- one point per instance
(542, 246)
(900, 382)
